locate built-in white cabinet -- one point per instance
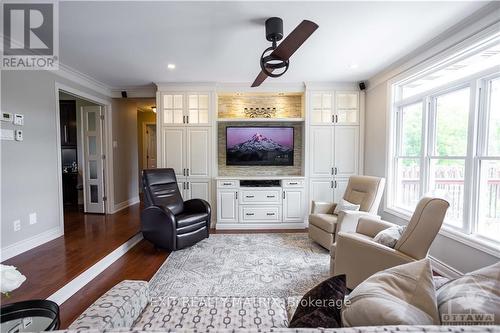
(227, 206)
(293, 205)
(192, 109)
(195, 189)
(334, 143)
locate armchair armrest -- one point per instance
(359, 257)
(322, 207)
(197, 206)
(158, 225)
(371, 227)
(347, 221)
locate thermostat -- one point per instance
(18, 119)
(7, 116)
(18, 135)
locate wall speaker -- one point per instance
(362, 86)
(124, 94)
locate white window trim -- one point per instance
(475, 81)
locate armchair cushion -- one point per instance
(190, 222)
(389, 236)
(402, 295)
(325, 222)
(345, 205)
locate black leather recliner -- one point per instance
(167, 221)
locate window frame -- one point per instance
(476, 151)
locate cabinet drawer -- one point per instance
(293, 183)
(227, 183)
(260, 214)
(260, 197)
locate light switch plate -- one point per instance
(18, 119)
(17, 225)
(7, 134)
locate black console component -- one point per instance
(260, 183)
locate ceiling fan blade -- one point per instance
(294, 40)
(260, 78)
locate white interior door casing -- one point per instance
(198, 152)
(150, 146)
(321, 148)
(93, 169)
(346, 150)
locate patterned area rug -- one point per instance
(267, 265)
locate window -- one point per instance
(445, 137)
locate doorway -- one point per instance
(81, 133)
(146, 135)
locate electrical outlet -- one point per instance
(32, 218)
(17, 225)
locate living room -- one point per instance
(332, 151)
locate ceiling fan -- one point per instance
(277, 57)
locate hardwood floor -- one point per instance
(88, 238)
(140, 263)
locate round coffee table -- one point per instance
(29, 316)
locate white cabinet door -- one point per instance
(182, 188)
(321, 108)
(346, 150)
(198, 109)
(293, 203)
(339, 189)
(347, 107)
(198, 152)
(172, 109)
(321, 148)
(174, 145)
(321, 189)
(198, 189)
(227, 206)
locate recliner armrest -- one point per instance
(319, 207)
(158, 225)
(197, 206)
(371, 226)
(347, 221)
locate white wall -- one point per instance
(455, 254)
(29, 171)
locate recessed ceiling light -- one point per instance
(171, 66)
(353, 66)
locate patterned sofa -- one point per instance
(129, 307)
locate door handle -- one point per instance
(65, 134)
(336, 118)
(236, 195)
(184, 172)
(249, 196)
(249, 214)
(270, 196)
(331, 184)
(336, 170)
(183, 185)
(187, 119)
(333, 171)
(335, 184)
(187, 172)
(333, 118)
(270, 214)
(187, 185)
(183, 119)
(284, 195)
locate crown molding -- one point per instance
(245, 87)
(146, 91)
(331, 86)
(480, 20)
(84, 80)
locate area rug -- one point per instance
(269, 265)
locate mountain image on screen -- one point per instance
(260, 150)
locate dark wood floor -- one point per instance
(87, 239)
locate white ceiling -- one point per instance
(130, 43)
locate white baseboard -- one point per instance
(29, 243)
(124, 204)
(253, 226)
(81, 280)
(444, 269)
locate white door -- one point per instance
(321, 148)
(198, 189)
(347, 107)
(346, 150)
(321, 106)
(339, 188)
(93, 170)
(149, 146)
(293, 202)
(173, 110)
(321, 189)
(174, 145)
(227, 206)
(198, 152)
(197, 109)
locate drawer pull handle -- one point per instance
(270, 196)
(227, 183)
(270, 214)
(249, 196)
(249, 214)
(294, 183)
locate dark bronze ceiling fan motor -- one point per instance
(268, 62)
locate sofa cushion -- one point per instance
(117, 308)
(473, 299)
(401, 295)
(325, 222)
(320, 307)
(216, 313)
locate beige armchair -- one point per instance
(358, 256)
(365, 191)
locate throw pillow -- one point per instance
(345, 205)
(390, 236)
(321, 306)
(472, 299)
(401, 295)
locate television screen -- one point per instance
(259, 146)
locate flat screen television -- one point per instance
(251, 145)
